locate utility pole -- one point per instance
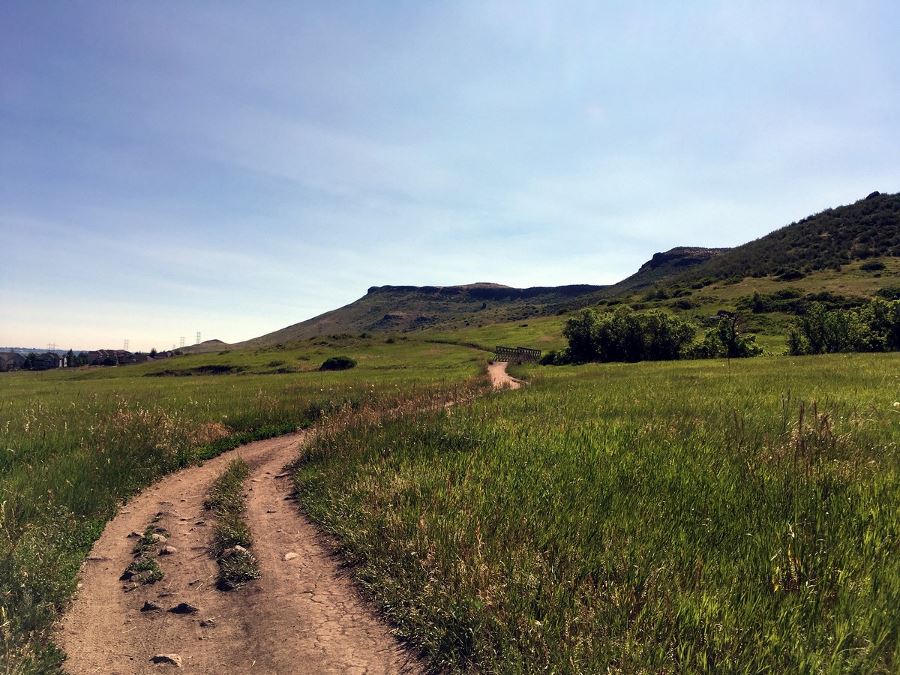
(181, 341)
(198, 338)
(125, 347)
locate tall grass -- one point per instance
(75, 444)
(673, 517)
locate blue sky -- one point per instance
(233, 168)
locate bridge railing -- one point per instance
(516, 354)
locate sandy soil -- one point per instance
(302, 616)
(500, 378)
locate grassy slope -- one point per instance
(692, 516)
(74, 443)
(867, 228)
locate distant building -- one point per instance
(11, 361)
(46, 361)
(112, 357)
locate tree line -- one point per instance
(628, 335)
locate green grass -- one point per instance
(654, 517)
(228, 503)
(75, 444)
(665, 517)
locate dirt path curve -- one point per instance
(500, 379)
(302, 616)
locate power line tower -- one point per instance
(198, 338)
(181, 341)
(125, 345)
(51, 347)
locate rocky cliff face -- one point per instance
(681, 256)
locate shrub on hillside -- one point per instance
(873, 327)
(338, 363)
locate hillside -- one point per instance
(666, 265)
(205, 346)
(868, 228)
(827, 250)
(405, 308)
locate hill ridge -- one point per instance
(869, 227)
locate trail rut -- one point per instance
(301, 616)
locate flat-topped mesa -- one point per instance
(487, 291)
(434, 289)
(682, 256)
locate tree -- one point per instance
(580, 332)
(625, 335)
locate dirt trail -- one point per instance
(500, 378)
(302, 616)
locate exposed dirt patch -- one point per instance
(500, 379)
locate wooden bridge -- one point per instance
(516, 354)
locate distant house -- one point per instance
(11, 361)
(46, 361)
(123, 357)
(110, 357)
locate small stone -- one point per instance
(167, 659)
(158, 538)
(184, 608)
(134, 535)
(234, 550)
(282, 475)
(271, 511)
(290, 555)
(150, 607)
(208, 623)
(200, 522)
(168, 550)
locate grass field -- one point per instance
(655, 517)
(75, 443)
(632, 517)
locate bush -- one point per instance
(873, 327)
(872, 266)
(625, 335)
(790, 275)
(555, 358)
(726, 340)
(338, 363)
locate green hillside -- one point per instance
(835, 237)
(849, 252)
(394, 309)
